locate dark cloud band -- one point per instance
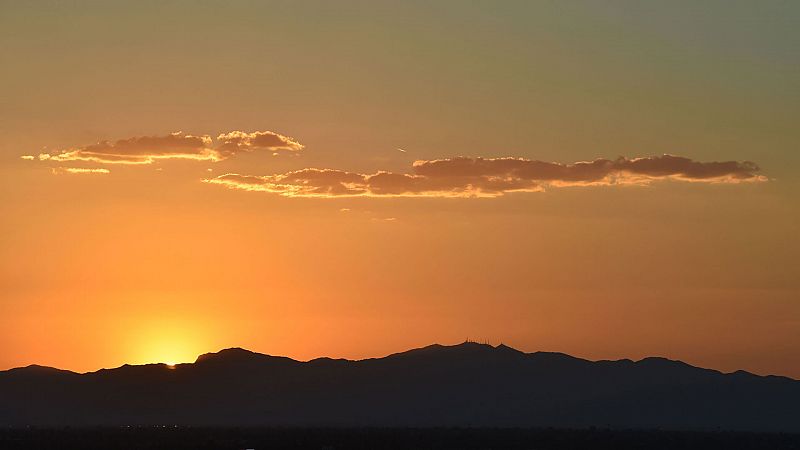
(148, 149)
(490, 177)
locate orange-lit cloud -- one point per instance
(490, 177)
(148, 149)
(237, 141)
(77, 170)
(603, 171)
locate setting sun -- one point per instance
(170, 342)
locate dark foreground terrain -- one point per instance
(461, 386)
(384, 438)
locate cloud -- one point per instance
(149, 149)
(686, 169)
(602, 171)
(76, 170)
(299, 183)
(490, 177)
(28, 157)
(141, 150)
(238, 141)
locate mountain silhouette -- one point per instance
(469, 384)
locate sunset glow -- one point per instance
(353, 179)
(169, 347)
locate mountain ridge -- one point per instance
(240, 351)
(467, 384)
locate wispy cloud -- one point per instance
(77, 170)
(490, 177)
(149, 149)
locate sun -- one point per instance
(171, 351)
(168, 343)
(169, 354)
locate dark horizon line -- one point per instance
(467, 342)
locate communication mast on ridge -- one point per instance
(484, 342)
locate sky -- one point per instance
(608, 179)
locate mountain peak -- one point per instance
(233, 353)
(36, 368)
(661, 362)
(467, 350)
(505, 348)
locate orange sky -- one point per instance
(480, 171)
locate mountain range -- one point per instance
(464, 385)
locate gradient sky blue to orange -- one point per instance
(149, 263)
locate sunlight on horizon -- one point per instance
(170, 342)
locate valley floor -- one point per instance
(373, 438)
